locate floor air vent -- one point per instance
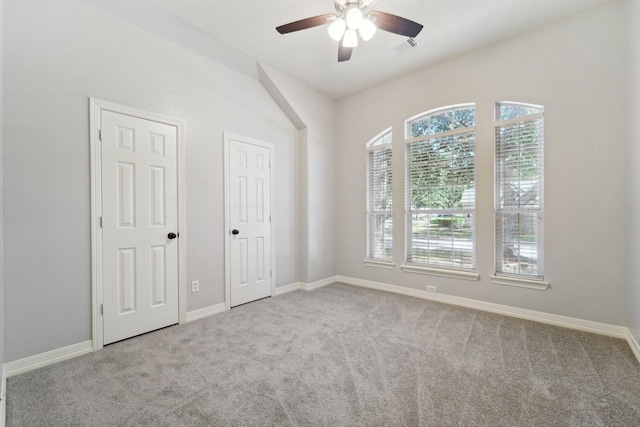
(403, 46)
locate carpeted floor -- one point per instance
(341, 356)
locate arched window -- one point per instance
(440, 191)
(519, 190)
(379, 199)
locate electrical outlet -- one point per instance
(431, 288)
(195, 286)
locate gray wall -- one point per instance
(575, 69)
(58, 54)
(317, 183)
(634, 188)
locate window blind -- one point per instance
(519, 190)
(440, 192)
(379, 200)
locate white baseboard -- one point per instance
(633, 343)
(320, 283)
(3, 396)
(537, 316)
(305, 286)
(280, 290)
(48, 358)
(201, 313)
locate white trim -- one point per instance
(3, 396)
(201, 313)
(452, 274)
(281, 290)
(318, 284)
(384, 133)
(520, 283)
(96, 106)
(48, 358)
(521, 104)
(521, 313)
(635, 347)
(182, 223)
(227, 232)
(96, 234)
(380, 264)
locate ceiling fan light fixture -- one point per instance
(354, 17)
(367, 29)
(336, 29)
(353, 20)
(350, 38)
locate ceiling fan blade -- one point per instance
(344, 53)
(303, 24)
(396, 24)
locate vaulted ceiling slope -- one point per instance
(238, 33)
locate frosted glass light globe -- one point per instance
(354, 17)
(336, 29)
(350, 38)
(367, 29)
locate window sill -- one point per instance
(380, 264)
(452, 274)
(520, 283)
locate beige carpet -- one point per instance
(341, 356)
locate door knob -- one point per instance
(172, 236)
(234, 232)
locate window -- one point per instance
(379, 200)
(440, 190)
(519, 190)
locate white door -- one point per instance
(249, 213)
(139, 225)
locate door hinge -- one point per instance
(100, 134)
(101, 308)
(270, 273)
(269, 218)
(100, 222)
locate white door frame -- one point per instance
(227, 229)
(96, 106)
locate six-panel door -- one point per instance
(250, 221)
(139, 210)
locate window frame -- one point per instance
(410, 265)
(383, 142)
(536, 119)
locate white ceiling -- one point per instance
(451, 28)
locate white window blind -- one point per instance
(379, 198)
(519, 190)
(440, 189)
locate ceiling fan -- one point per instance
(352, 19)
